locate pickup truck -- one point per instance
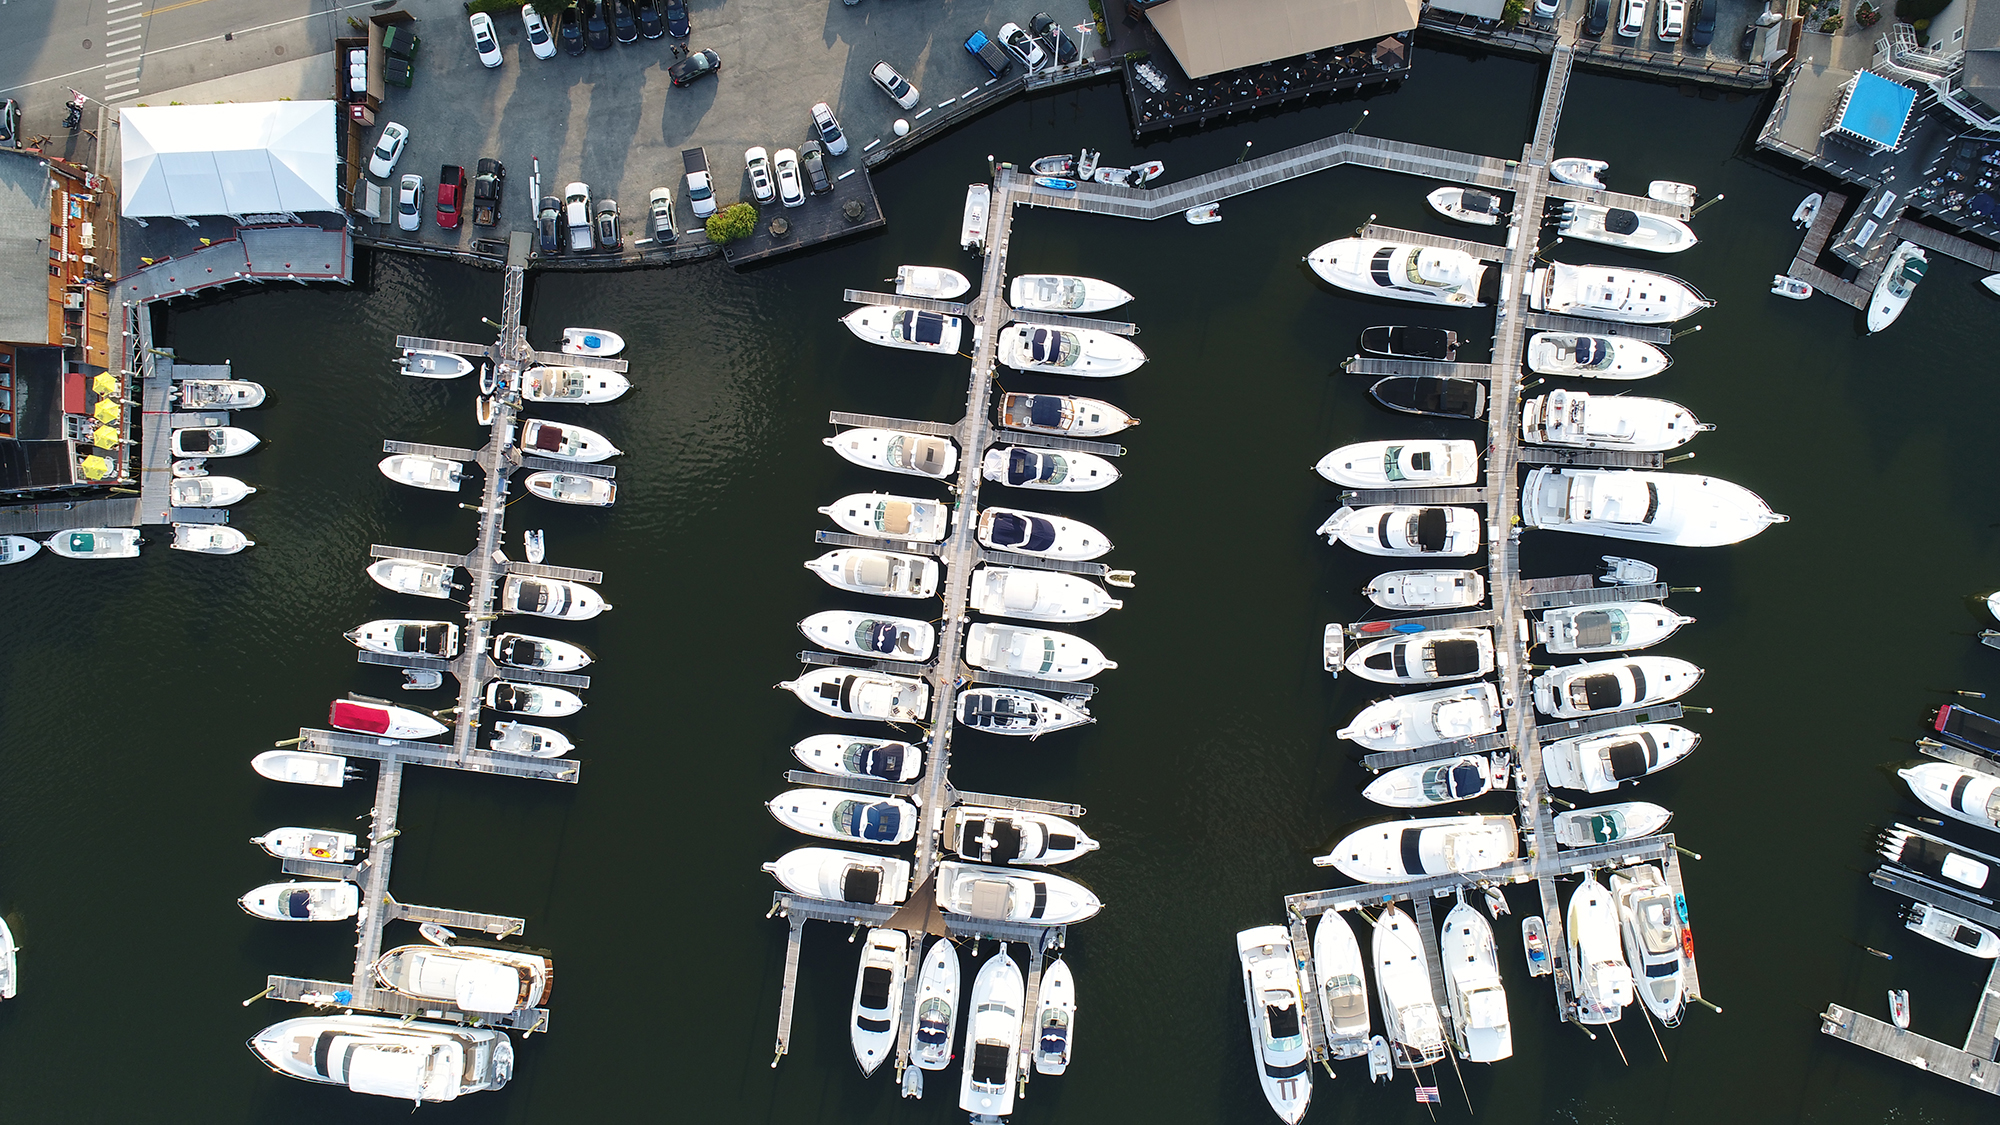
(486, 188)
(988, 54)
(701, 189)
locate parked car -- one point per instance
(548, 224)
(696, 65)
(789, 191)
(701, 194)
(1701, 32)
(1598, 19)
(488, 184)
(813, 158)
(624, 23)
(895, 85)
(1547, 9)
(451, 195)
(828, 128)
(661, 207)
(484, 40)
(388, 150)
(1022, 46)
(651, 24)
(596, 23)
(410, 202)
(539, 39)
(1673, 17)
(677, 18)
(988, 55)
(569, 28)
(1045, 27)
(607, 225)
(576, 214)
(10, 123)
(1631, 18)
(757, 163)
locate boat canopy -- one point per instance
(1455, 657)
(876, 823)
(861, 884)
(1026, 465)
(430, 640)
(359, 716)
(1046, 410)
(1048, 345)
(1479, 202)
(1429, 527)
(1602, 691)
(1597, 628)
(1453, 782)
(989, 1062)
(875, 761)
(296, 904)
(1630, 758)
(1027, 532)
(919, 327)
(1617, 220)
(404, 1072)
(521, 650)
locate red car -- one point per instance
(451, 195)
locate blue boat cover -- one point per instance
(1045, 410)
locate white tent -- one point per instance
(231, 159)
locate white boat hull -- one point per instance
(551, 597)
(1387, 853)
(1017, 839)
(1601, 762)
(931, 282)
(1599, 686)
(1055, 1021)
(1274, 1002)
(308, 843)
(1041, 653)
(563, 442)
(877, 1011)
(1432, 657)
(298, 767)
(844, 755)
(887, 574)
(213, 441)
(897, 451)
(1680, 509)
(1413, 463)
(936, 1025)
(1609, 824)
(1011, 711)
(17, 548)
(419, 471)
(1047, 470)
(218, 394)
(1957, 792)
(1478, 1002)
(1040, 534)
(1342, 976)
(1426, 718)
(1598, 971)
(1065, 294)
(412, 1061)
(95, 543)
(1403, 987)
(529, 741)
(850, 693)
(407, 576)
(1062, 415)
(1466, 205)
(1428, 784)
(209, 539)
(1611, 293)
(885, 515)
(418, 363)
(907, 329)
(1404, 531)
(592, 341)
(1038, 595)
(1408, 590)
(512, 697)
(519, 650)
(1606, 627)
(316, 900)
(1384, 269)
(850, 818)
(1627, 230)
(576, 385)
(870, 635)
(573, 488)
(1594, 357)
(993, 1039)
(1579, 420)
(206, 492)
(842, 876)
(1085, 352)
(1899, 279)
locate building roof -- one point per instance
(1207, 36)
(1876, 110)
(1982, 51)
(236, 158)
(24, 248)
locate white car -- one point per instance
(410, 202)
(895, 85)
(539, 39)
(1631, 19)
(701, 194)
(789, 189)
(661, 205)
(388, 150)
(1022, 46)
(1547, 9)
(758, 163)
(1673, 16)
(828, 128)
(485, 40)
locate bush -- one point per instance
(498, 7)
(1867, 14)
(1512, 14)
(1831, 24)
(736, 221)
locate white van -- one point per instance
(576, 213)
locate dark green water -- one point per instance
(135, 693)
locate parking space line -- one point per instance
(871, 144)
(927, 109)
(968, 93)
(845, 174)
(991, 81)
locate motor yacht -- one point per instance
(475, 979)
(887, 574)
(564, 442)
(1467, 205)
(206, 492)
(17, 548)
(1038, 595)
(1040, 534)
(573, 488)
(1405, 530)
(1433, 657)
(843, 876)
(909, 329)
(1063, 293)
(1594, 357)
(1012, 711)
(1613, 293)
(539, 700)
(408, 576)
(1397, 851)
(1343, 990)
(213, 441)
(932, 282)
(519, 650)
(308, 843)
(1612, 627)
(936, 1024)
(300, 767)
(1088, 352)
(846, 755)
(420, 471)
(1957, 792)
(1601, 762)
(1581, 420)
(1004, 836)
(1627, 230)
(888, 516)
(1426, 589)
(403, 636)
(1408, 463)
(1598, 972)
(1055, 1019)
(897, 451)
(993, 1039)
(217, 394)
(1952, 931)
(1900, 275)
(871, 635)
(1431, 396)
(1404, 341)
(1613, 685)
(878, 997)
(1274, 1000)
(833, 814)
(1044, 654)
(1062, 415)
(1651, 927)
(1608, 824)
(1424, 784)
(1003, 894)
(529, 741)
(577, 385)
(1426, 718)
(382, 720)
(551, 597)
(850, 693)
(1679, 509)
(1400, 271)
(592, 341)
(421, 363)
(209, 539)
(412, 1060)
(1480, 1029)
(312, 900)
(1403, 988)
(1047, 470)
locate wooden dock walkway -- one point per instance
(1886, 1039)
(1805, 264)
(1437, 369)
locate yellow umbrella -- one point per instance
(95, 468)
(105, 384)
(107, 410)
(105, 438)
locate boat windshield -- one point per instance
(1025, 466)
(1058, 293)
(934, 1023)
(1601, 628)
(1592, 353)
(1054, 347)
(1396, 465)
(1347, 999)
(875, 988)
(1452, 782)
(870, 760)
(915, 327)
(861, 884)
(1658, 923)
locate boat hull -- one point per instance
(880, 638)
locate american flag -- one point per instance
(1427, 1093)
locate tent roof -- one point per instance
(231, 159)
(1876, 109)
(1208, 36)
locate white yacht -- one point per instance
(1952, 931)
(1680, 509)
(580, 385)
(206, 492)
(1046, 469)
(872, 635)
(1040, 534)
(1957, 792)
(933, 282)
(1403, 987)
(1601, 762)
(1426, 589)
(551, 597)
(1010, 894)
(1055, 1020)
(217, 394)
(96, 543)
(909, 329)
(1581, 420)
(1613, 293)
(408, 576)
(1594, 357)
(1426, 718)
(878, 997)
(1467, 205)
(519, 650)
(1613, 685)
(1026, 839)
(529, 740)
(1038, 595)
(888, 516)
(936, 1024)
(1405, 530)
(834, 814)
(849, 693)
(1274, 1000)
(209, 539)
(10, 969)
(1401, 271)
(1651, 926)
(213, 441)
(1063, 293)
(411, 1060)
(475, 979)
(382, 720)
(301, 767)
(897, 451)
(17, 548)
(1627, 230)
(1602, 979)
(1579, 170)
(1608, 824)
(993, 1039)
(1042, 653)
(1900, 275)
(1472, 988)
(1411, 463)
(420, 471)
(1088, 352)
(420, 363)
(1343, 990)
(308, 843)
(972, 226)
(1434, 657)
(312, 900)
(1011, 711)
(1424, 784)
(573, 488)
(1062, 415)
(592, 341)
(512, 697)
(1572, 630)
(846, 755)
(843, 876)
(564, 442)
(1397, 851)
(887, 574)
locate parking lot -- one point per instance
(1731, 17)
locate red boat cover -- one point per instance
(359, 716)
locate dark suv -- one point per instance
(596, 23)
(624, 24)
(548, 224)
(1598, 19)
(812, 156)
(569, 29)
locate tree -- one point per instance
(736, 221)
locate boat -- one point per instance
(1606, 627)
(382, 720)
(1467, 205)
(1627, 230)
(1473, 993)
(420, 471)
(1044, 654)
(10, 971)
(421, 363)
(422, 679)
(1038, 595)
(1607, 824)
(489, 382)
(1433, 657)
(993, 1039)
(209, 539)
(1002, 894)
(1047, 470)
(1088, 352)
(529, 741)
(1343, 989)
(1786, 286)
(551, 597)
(17, 548)
(910, 329)
(931, 282)
(1594, 357)
(887, 574)
(311, 900)
(1581, 420)
(896, 451)
(1620, 571)
(878, 997)
(577, 385)
(1398, 851)
(1613, 685)
(1652, 931)
(833, 814)
(414, 1060)
(1578, 170)
(1012, 711)
(95, 543)
(1535, 946)
(515, 698)
(300, 767)
(1210, 213)
(1968, 728)
(1613, 293)
(573, 488)
(592, 341)
(1448, 397)
(1039, 534)
(849, 693)
(843, 876)
(1899, 1008)
(534, 543)
(308, 843)
(1601, 762)
(1005, 836)
(1274, 1001)
(408, 576)
(213, 441)
(1424, 784)
(1952, 931)
(1426, 718)
(1138, 175)
(217, 394)
(1426, 589)
(1055, 183)
(1957, 792)
(936, 1023)
(887, 516)
(1380, 1069)
(475, 979)
(1671, 191)
(1940, 861)
(1992, 283)
(1087, 160)
(1405, 530)
(972, 225)
(1900, 275)
(1403, 988)
(1062, 415)
(846, 755)
(1405, 341)
(1064, 293)
(565, 442)
(1679, 509)
(1061, 164)
(1400, 271)
(1055, 1021)
(190, 467)
(519, 650)
(206, 492)
(1405, 463)
(861, 634)
(1598, 971)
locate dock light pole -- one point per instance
(1245, 153)
(1684, 332)
(1549, 248)
(1356, 127)
(1714, 199)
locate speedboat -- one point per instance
(1613, 685)
(1787, 286)
(565, 442)
(1343, 990)
(519, 650)
(1578, 170)
(1601, 762)
(1602, 979)
(1405, 530)
(937, 1006)
(1449, 397)
(1087, 352)
(1275, 1003)
(972, 225)
(1467, 205)
(1403, 341)
(573, 488)
(897, 451)
(1042, 653)
(1899, 1008)
(1061, 164)
(993, 1039)
(1011, 711)
(847, 755)
(300, 767)
(421, 363)
(1038, 595)
(515, 698)
(909, 329)
(1401, 271)
(1403, 987)
(420, 471)
(414, 1060)
(382, 720)
(1137, 175)
(832, 814)
(1039, 534)
(1063, 415)
(551, 597)
(1619, 571)
(1937, 859)
(1432, 657)
(878, 997)
(1670, 191)
(95, 543)
(476, 979)
(1001, 894)
(886, 516)
(529, 741)
(1426, 589)
(1570, 630)
(209, 539)
(933, 282)
(884, 573)
(592, 341)
(1397, 851)
(312, 900)
(1426, 718)
(1681, 509)
(1957, 792)
(17, 548)
(1808, 210)
(1023, 839)
(1594, 357)
(1535, 946)
(1608, 824)
(213, 441)
(579, 385)
(1652, 931)
(849, 693)
(408, 576)
(1410, 463)
(843, 876)
(308, 843)
(1581, 420)
(1899, 279)
(1063, 293)
(1613, 293)
(1478, 1002)
(861, 634)
(1952, 931)
(1627, 230)
(1046, 469)
(1425, 784)
(217, 394)
(206, 492)
(1055, 1019)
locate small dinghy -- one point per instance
(1466, 205)
(1343, 993)
(17, 548)
(937, 1007)
(1426, 589)
(382, 720)
(1426, 718)
(529, 741)
(1608, 824)
(1620, 571)
(308, 843)
(1064, 293)
(565, 442)
(884, 515)
(213, 441)
(1791, 287)
(190, 467)
(1627, 230)
(1409, 463)
(1426, 658)
(1899, 279)
(1062, 164)
(1380, 1069)
(1404, 341)
(1807, 210)
(1055, 183)
(1601, 762)
(592, 341)
(834, 814)
(1009, 894)
(848, 693)
(489, 381)
(1535, 946)
(1671, 191)
(519, 650)
(1038, 595)
(1580, 420)
(299, 767)
(514, 698)
(1899, 1008)
(1611, 627)
(579, 385)
(843, 876)
(482, 410)
(573, 488)
(408, 576)
(1047, 470)
(1011, 711)
(1138, 175)
(1039, 534)
(1449, 397)
(1579, 171)
(1406, 530)
(209, 539)
(909, 329)
(1439, 783)
(206, 492)
(896, 451)
(863, 634)
(96, 543)
(1055, 1022)
(1086, 352)
(217, 394)
(535, 545)
(1064, 415)
(876, 1013)
(422, 679)
(846, 755)
(551, 597)
(1594, 357)
(1041, 653)
(316, 900)
(1029, 839)
(1398, 851)
(1204, 215)
(972, 224)
(883, 573)
(1613, 685)
(932, 282)
(420, 471)
(1087, 160)
(421, 364)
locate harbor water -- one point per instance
(135, 693)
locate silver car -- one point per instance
(895, 85)
(410, 202)
(388, 150)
